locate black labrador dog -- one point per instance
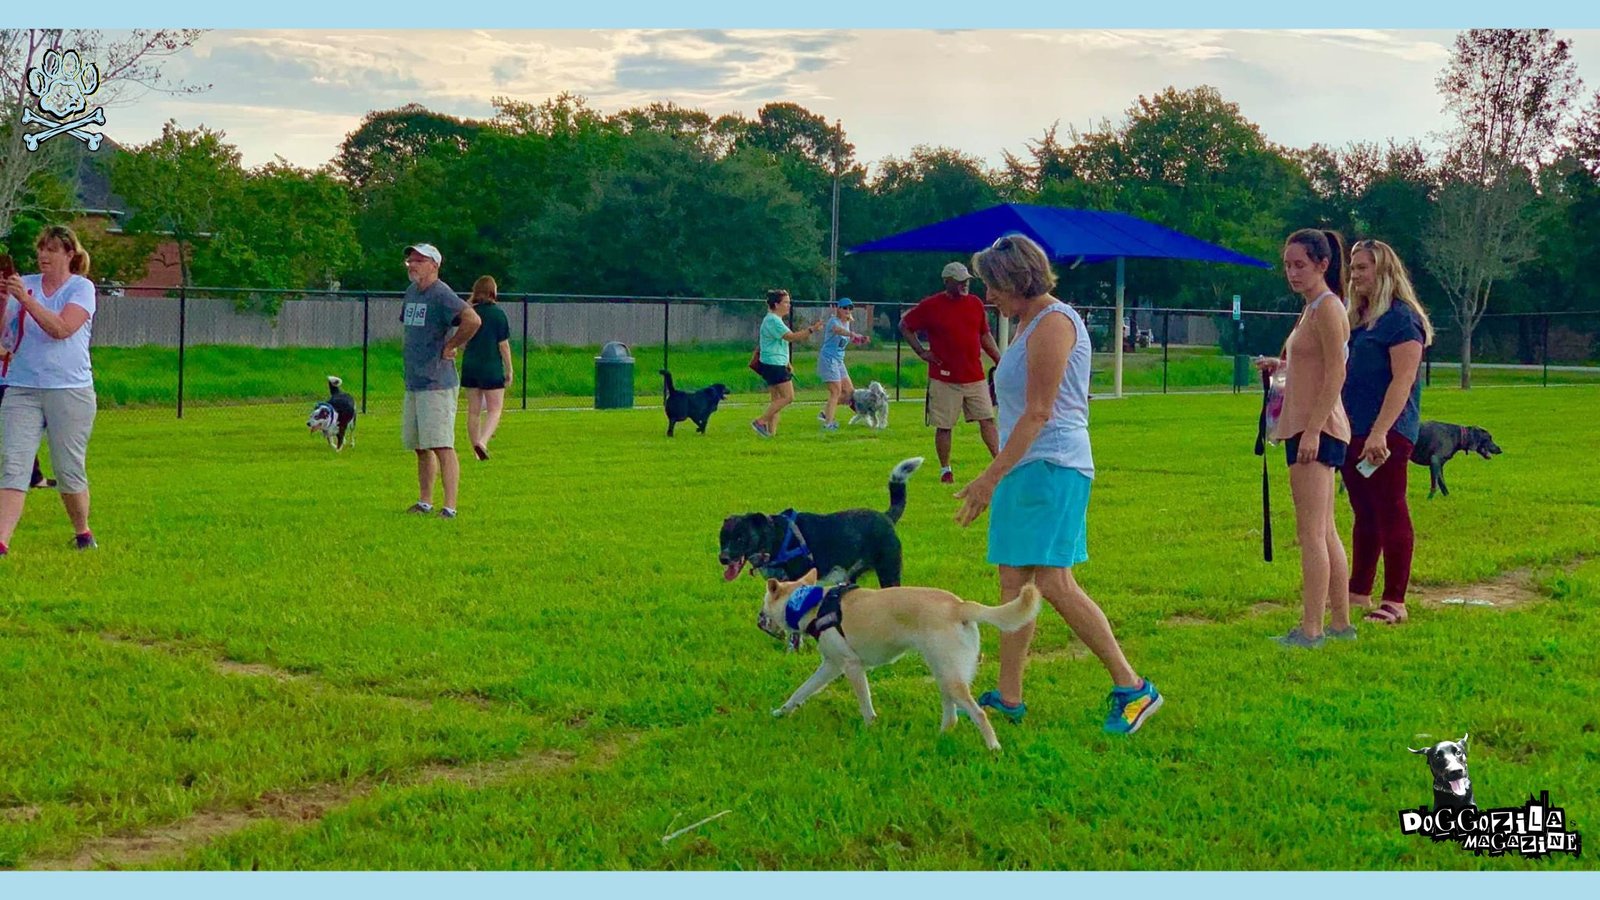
(1438, 441)
(696, 407)
(840, 546)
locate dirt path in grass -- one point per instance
(1512, 589)
(305, 807)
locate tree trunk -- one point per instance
(1466, 356)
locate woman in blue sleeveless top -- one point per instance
(1039, 484)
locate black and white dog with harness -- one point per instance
(335, 417)
(840, 546)
(1447, 760)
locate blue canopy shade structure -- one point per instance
(1070, 236)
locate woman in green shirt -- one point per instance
(486, 366)
(772, 360)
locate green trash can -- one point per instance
(1241, 371)
(613, 377)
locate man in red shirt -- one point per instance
(957, 328)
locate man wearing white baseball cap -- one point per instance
(957, 329)
(428, 422)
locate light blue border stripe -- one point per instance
(809, 14)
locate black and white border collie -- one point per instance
(335, 417)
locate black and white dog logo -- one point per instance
(63, 83)
(335, 417)
(1452, 789)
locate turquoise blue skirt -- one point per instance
(1039, 516)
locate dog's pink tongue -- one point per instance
(732, 571)
(1459, 787)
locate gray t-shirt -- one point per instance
(428, 317)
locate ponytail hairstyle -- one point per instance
(64, 239)
(1338, 265)
(484, 290)
(1325, 246)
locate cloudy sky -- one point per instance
(296, 94)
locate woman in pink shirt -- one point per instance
(1315, 430)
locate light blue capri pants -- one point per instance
(70, 412)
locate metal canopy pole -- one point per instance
(1122, 270)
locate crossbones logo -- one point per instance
(62, 82)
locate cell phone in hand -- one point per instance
(1366, 467)
(7, 267)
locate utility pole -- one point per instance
(833, 253)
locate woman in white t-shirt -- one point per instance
(47, 323)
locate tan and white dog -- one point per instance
(863, 629)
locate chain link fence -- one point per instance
(217, 347)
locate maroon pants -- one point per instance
(1383, 520)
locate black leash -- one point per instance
(1261, 451)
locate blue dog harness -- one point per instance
(793, 546)
(825, 601)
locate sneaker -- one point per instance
(1347, 634)
(1297, 638)
(761, 429)
(84, 541)
(420, 508)
(1130, 707)
(481, 452)
(830, 426)
(947, 477)
(446, 512)
(822, 416)
(1013, 714)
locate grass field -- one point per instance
(564, 376)
(268, 665)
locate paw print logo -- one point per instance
(63, 83)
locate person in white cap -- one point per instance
(957, 329)
(428, 421)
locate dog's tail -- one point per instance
(897, 486)
(1009, 616)
(334, 382)
(666, 385)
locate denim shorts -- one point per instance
(830, 370)
(1039, 516)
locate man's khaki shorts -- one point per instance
(429, 420)
(946, 403)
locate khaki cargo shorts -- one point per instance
(946, 402)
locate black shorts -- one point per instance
(482, 383)
(1330, 450)
(774, 375)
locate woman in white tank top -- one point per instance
(1038, 487)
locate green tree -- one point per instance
(182, 185)
(929, 185)
(1191, 161)
(291, 229)
(388, 141)
(1509, 91)
(668, 219)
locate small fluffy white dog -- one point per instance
(871, 406)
